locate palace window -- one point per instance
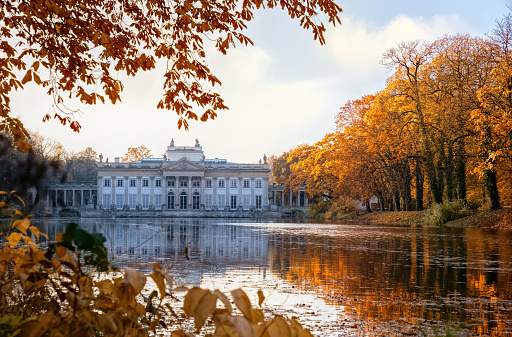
(196, 183)
(158, 183)
(195, 201)
(119, 183)
(119, 201)
(221, 183)
(145, 182)
(106, 200)
(170, 183)
(246, 201)
(132, 200)
(170, 200)
(145, 201)
(258, 183)
(247, 183)
(133, 182)
(233, 201)
(106, 182)
(158, 201)
(183, 200)
(183, 183)
(233, 183)
(208, 183)
(221, 200)
(258, 202)
(208, 201)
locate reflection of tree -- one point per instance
(427, 277)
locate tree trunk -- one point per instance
(406, 188)
(449, 175)
(419, 178)
(491, 188)
(433, 182)
(460, 175)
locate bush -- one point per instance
(340, 208)
(332, 209)
(317, 211)
(440, 214)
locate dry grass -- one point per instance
(501, 218)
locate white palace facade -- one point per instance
(183, 182)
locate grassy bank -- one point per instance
(501, 218)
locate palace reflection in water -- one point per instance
(383, 280)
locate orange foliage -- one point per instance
(75, 49)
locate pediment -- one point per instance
(183, 165)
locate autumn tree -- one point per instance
(82, 166)
(137, 153)
(76, 50)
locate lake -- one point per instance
(338, 279)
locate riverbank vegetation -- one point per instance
(68, 287)
(437, 136)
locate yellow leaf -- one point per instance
(204, 309)
(278, 328)
(243, 303)
(261, 297)
(14, 239)
(224, 300)
(21, 225)
(136, 279)
(192, 298)
(158, 277)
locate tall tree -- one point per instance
(74, 48)
(137, 153)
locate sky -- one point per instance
(282, 92)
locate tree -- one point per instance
(83, 166)
(74, 48)
(137, 153)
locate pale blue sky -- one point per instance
(283, 92)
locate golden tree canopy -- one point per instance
(76, 49)
(137, 153)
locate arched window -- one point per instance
(183, 200)
(170, 200)
(195, 200)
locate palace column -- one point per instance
(298, 198)
(215, 182)
(253, 187)
(152, 191)
(227, 182)
(139, 191)
(264, 184)
(290, 200)
(126, 183)
(189, 197)
(201, 197)
(239, 198)
(113, 187)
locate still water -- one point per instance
(339, 280)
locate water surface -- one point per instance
(339, 280)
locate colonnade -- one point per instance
(290, 198)
(70, 195)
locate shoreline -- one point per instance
(501, 218)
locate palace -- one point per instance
(184, 182)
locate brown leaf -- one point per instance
(243, 303)
(136, 279)
(192, 299)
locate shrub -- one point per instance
(340, 208)
(440, 214)
(317, 211)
